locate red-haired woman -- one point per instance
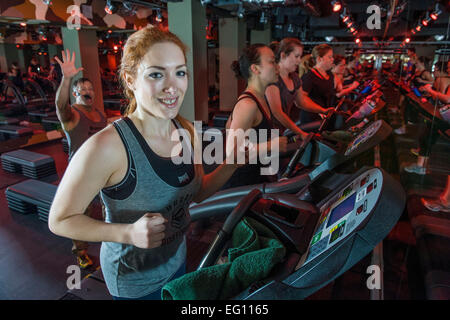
(146, 195)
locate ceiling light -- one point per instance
(426, 20)
(337, 6)
(159, 17)
(111, 7)
(329, 38)
(240, 12)
(435, 14)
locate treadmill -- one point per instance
(345, 217)
(320, 156)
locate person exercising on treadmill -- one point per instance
(258, 67)
(79, 122)
(318, 85)
(282, 95)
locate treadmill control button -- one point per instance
(360, 209)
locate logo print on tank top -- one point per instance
(183, 178)
(177, 218)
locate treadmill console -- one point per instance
(344, 212)
(363, 136)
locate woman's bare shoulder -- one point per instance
(105, 147)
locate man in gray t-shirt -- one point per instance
(79, 121)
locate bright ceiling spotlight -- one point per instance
(435, 14)
(337, 6)
(159, 17)
(263, 19)
(419, 27)
(344, 16)
(329, 38)
(426, 20)
(407, 40)
(240, 12)
(357, 40)
(111, 7)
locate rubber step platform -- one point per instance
(31, 164)
(51, 123)
(38, 116)
(14, 131)
(65, 145)
(9, 121)
(31, 196)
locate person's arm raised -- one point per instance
(62, 100)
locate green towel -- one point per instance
(255, 251)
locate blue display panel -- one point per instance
(342, 209)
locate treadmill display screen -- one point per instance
(342, 209)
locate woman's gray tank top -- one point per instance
(129, 271)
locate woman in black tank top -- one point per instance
(282, 96)
(318, 88)
(422, 76)
(441, 86)
(256, 65)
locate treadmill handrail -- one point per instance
(225, 232)
(297, 156)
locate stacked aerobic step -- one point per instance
(65, 145)
(31, 196)
(30, 164)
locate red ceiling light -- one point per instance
(413, 31)
(435, 14)
(337, 6)
(116, 48)
(344, 16)
(407, 40)
(419, 27)
(357, 40)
